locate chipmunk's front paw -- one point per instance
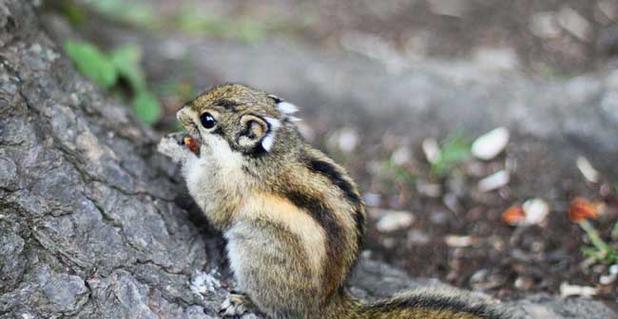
(237, 305)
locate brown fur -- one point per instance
(293, 218)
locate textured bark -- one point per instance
(88, 223)
(92, 221)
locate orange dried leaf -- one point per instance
(581, 209)
(514, 215)
(191, 144)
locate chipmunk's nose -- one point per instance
(180, 112)
(184, 115)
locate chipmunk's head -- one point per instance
(246, 120)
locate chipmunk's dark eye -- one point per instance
(208, 121)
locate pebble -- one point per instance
(544, 25)
(586, 168)
(459, 241)
(490, 144)
(428, 189)
(372, 199)
(610, 277)
(394, 220)
(609, 9)
(499, 59)
(574, 23)
(431, 149)
(494, 181)
(418, 238)
(401, 156)
(345, 139)
(453, 8)
(567, 290)
(536, 211)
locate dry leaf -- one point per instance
(514, 216)
(581, 209)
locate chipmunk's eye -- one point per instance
(208, 121)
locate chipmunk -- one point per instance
(293, 219)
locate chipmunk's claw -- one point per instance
(236, 306)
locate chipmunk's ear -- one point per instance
(286, 108)
(256, 130)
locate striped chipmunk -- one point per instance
(292, 217)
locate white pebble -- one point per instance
(490, 144)
(347, 139)
(394, 220)
(401, 155)
(536, 211)
(574, 23)
(431, 149)
(494, 181)
(545, 25)
(586, 168)
(567, 290)
(458, 241)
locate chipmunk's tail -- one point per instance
(422, 304)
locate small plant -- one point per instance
(580, 211)
(398, 173)
(453, 151)
(107, 70)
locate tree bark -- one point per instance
(89, 226)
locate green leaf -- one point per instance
(92, 63)
(454, 150)
(147, 107)
(126, 60)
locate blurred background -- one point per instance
(483, 133)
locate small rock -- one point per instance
(609, 8)
(494, 181)
(372, 199)
(586, 168)
(523, 283)
(431, 149)
(348, 139)
(610, 277)
(401, 156)
(451, 201)
(418, 238)
(544, 25)
(428, 189)
(459, 241)
(490, 144)
(574, 23)
(496, 58)
(394, 220)
(439, 217)
(453, 8)
(536, 211)
(567, 290)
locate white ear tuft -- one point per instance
(273, 122)
(269, 140)
(287, 107)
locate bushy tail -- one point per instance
(423, 304)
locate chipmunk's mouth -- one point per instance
(192, 140)
(191, 143)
